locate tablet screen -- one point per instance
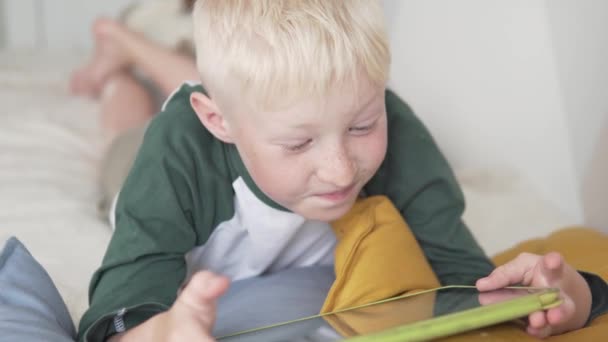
(379, 316)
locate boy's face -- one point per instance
(314, 157)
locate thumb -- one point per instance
(202, 291)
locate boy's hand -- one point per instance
(191, 317)
(549, 270)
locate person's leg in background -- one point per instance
(126, 99)
(108, 57)
(125, 103)
(130, 75)
(117, 47)
(126, 108)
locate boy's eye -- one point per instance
(298, 147)
(361, 129)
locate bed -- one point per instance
(51, 142)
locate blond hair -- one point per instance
(274, 52)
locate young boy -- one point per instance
(242, 178)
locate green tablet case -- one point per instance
(389, 311)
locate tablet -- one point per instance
(421, 316)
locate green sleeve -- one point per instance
(419, 181)
(144, 264)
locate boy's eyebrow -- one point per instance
(370, 101)
(358, 110)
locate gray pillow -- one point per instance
(31, 308)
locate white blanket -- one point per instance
(50, 143)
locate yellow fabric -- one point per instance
(377, 257)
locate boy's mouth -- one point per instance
(339, 195)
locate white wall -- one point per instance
(580, 38)
(19, 24)
(2, 22)
(483, 76)
(54, 24)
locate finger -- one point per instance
(537, 319)
(543, 332)
(513, 272)
(497, 296)
(497, 279)
(202, 290)
(552, 268)
(557, 315)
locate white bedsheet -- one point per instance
(50, 144)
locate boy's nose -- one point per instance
(337, 169)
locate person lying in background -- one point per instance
(131, 73)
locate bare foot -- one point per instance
(109, 56)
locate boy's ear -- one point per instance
(210, 116)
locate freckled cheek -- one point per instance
(372, 151)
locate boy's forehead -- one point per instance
(346, 100)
